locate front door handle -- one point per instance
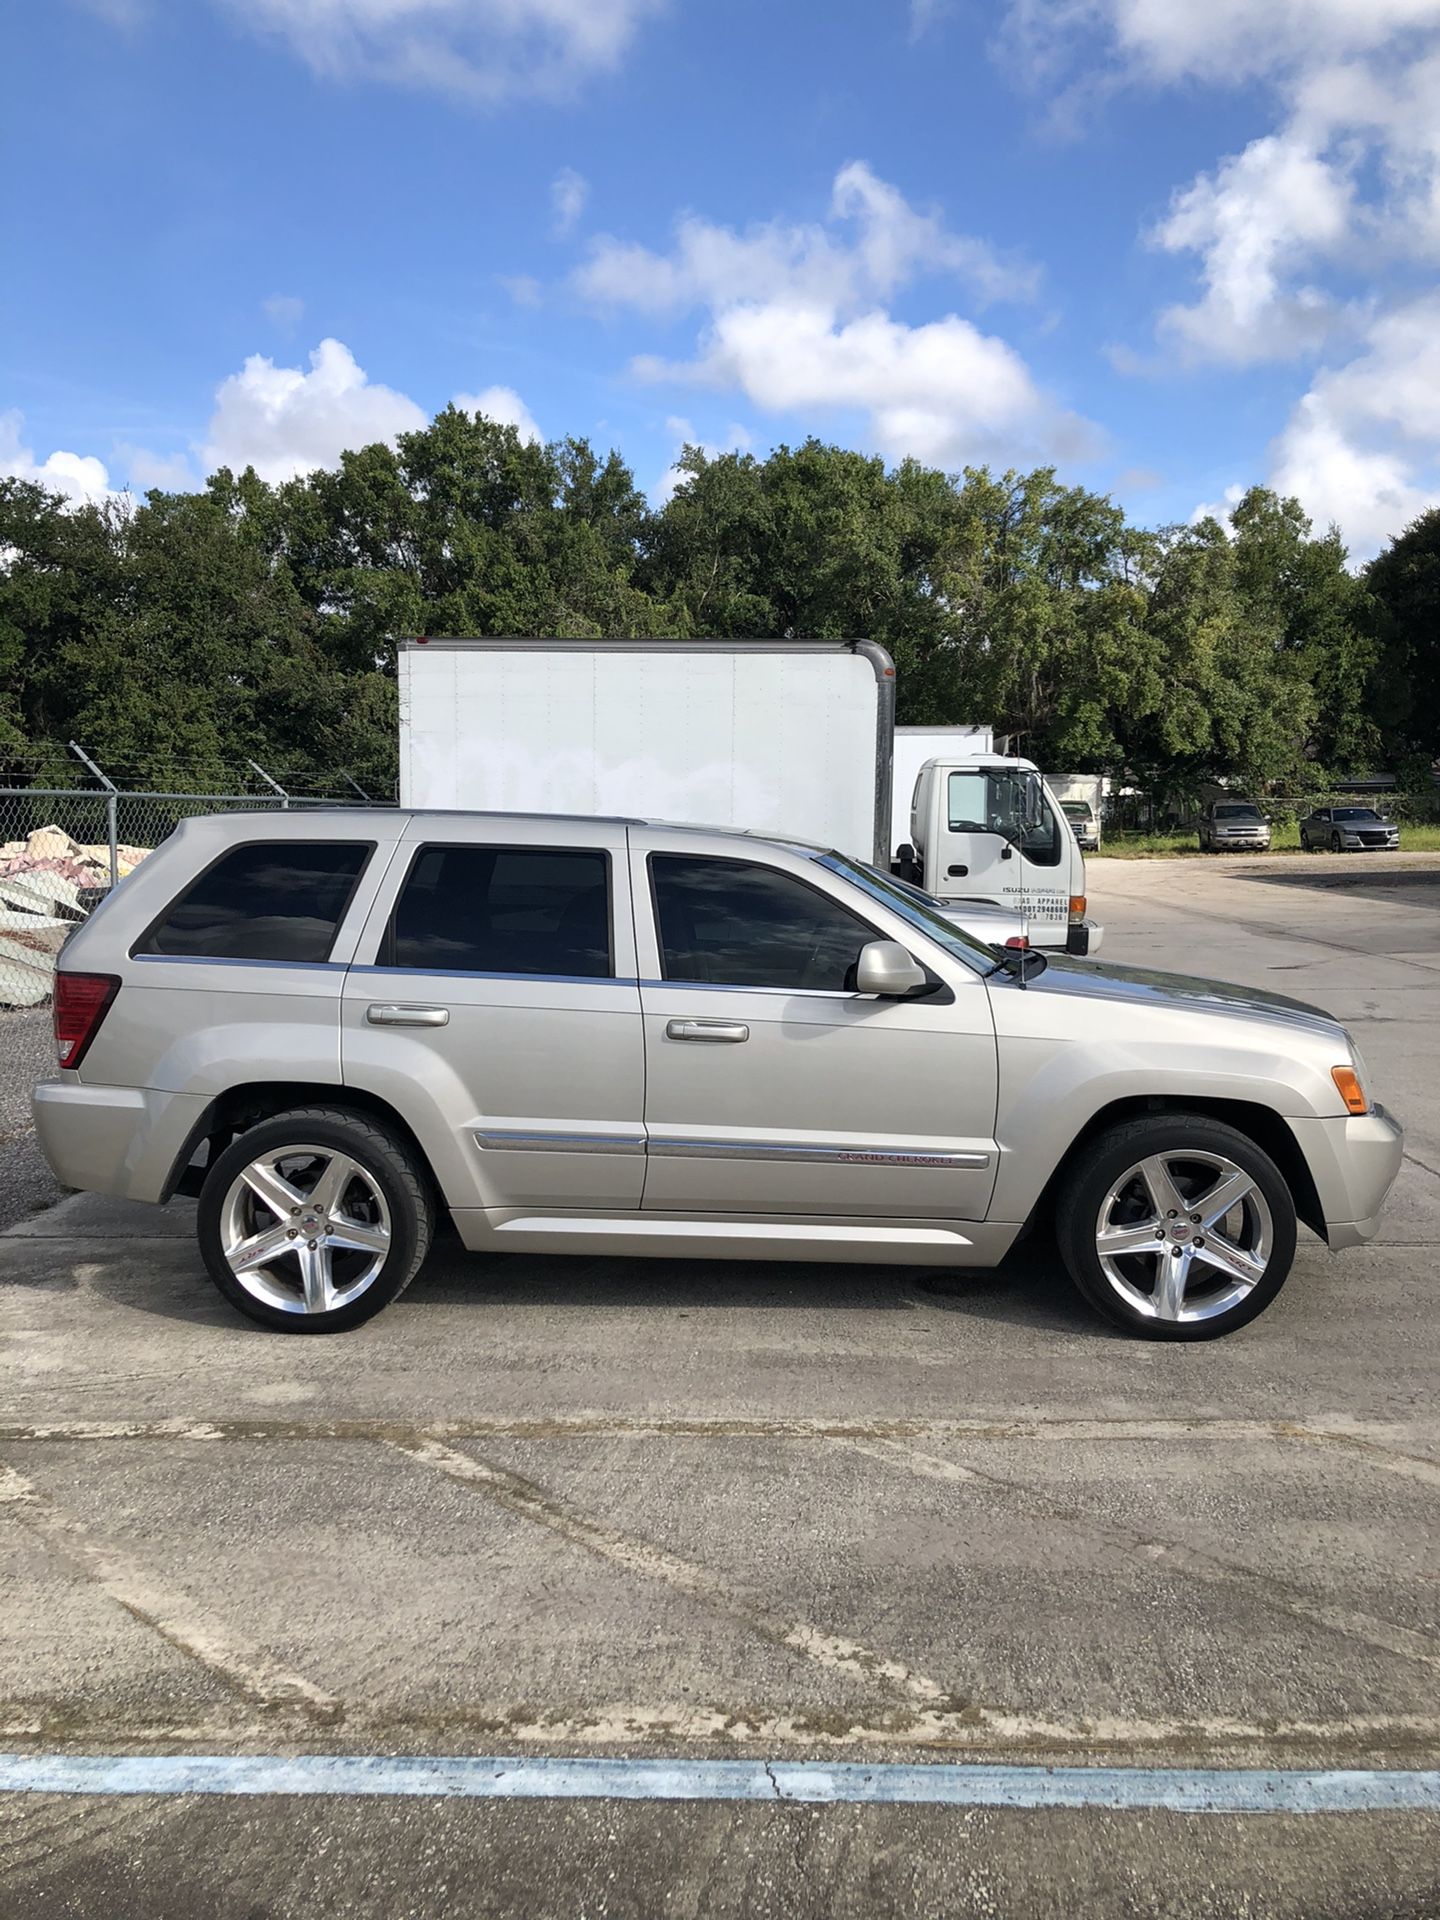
(722, 1030)
(387, 1016)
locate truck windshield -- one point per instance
(910, 905)
(1076, 809)
(1010, 803)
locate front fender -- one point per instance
(1049, 1094)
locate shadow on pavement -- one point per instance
(1029, 1290)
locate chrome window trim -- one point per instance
(470, 973)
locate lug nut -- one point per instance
(1172, 1215)
(1199, 1240)
(294, 1210)
(1159, 1233)
(292, 1234)
(1195, 1219)
(311, 1245)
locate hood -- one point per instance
(1140, 986)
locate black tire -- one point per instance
(1335, 846)
(385, 1159)
(1104, 1161)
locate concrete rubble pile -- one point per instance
(41, 878)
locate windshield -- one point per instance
(1354, 813)
(916, 908)
(1076, 809)
(1237, 813)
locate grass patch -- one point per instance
(1424, 838)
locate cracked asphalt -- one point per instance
(778, 1513)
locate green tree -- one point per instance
(1404, 693)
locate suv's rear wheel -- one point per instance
(1177, 1227)
(314, 1220)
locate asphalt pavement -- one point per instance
(778, 1514)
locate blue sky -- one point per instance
(1171, 248)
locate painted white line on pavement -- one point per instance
(1170, 1789)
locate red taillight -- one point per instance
(81, 1003)
(1017, 940)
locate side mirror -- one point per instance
(886, 969)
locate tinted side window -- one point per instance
(737, 925)
(278, 900)
(505, 910)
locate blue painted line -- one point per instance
(1119, 1789)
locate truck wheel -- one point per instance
(1176, 1227)
(314, 1220)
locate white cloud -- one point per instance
(505, 407)
(284, 422)
(1229, 41)
(79, 476)
(569, 191)
(1362, 447)
(888, 244)
(285, 311)
(943, 392)
(1270, 209)
(486, 50)
(797, 320)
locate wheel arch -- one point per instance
(1269, 1130)
(239, 1107)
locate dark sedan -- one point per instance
(1346, 829)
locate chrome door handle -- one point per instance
(408, 1016)
(723, 1030)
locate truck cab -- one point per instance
(989, 830)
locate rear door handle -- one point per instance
(387, 1016)
(721, 1030)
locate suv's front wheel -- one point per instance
(312, 1221)
(1177, 1227)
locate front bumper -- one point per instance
(1353, 1163)
(1240, 843)
(117, 1140)
(1084, 941)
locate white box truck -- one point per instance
(1082, 800)
(789, 738)
(988, 829)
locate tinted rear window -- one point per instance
(276, 900)
(505, 910)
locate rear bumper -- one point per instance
(1353, 1163)
(117, 1140)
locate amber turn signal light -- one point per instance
(1351, 1092)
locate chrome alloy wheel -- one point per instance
(1184, 1235)
(305, 1229)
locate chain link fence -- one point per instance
(61, 851)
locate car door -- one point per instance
(494, 1004)
(771, 1086)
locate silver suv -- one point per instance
(605, 1036)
